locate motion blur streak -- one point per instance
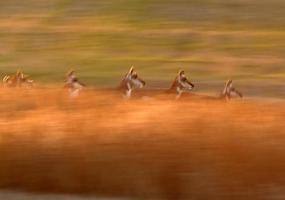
(151, 149)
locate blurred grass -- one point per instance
(210, 39)
(157, 149)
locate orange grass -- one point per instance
(147, 149)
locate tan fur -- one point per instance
(17, 80)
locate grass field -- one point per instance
(213, 40)
(103, 145)
(12, 195)
(153, 148)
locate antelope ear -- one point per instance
(229, 82)
(180, 72)
(132, 69)
(71, 71)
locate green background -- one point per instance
(212, 40)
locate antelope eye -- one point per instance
(135, 76)
(183, 78)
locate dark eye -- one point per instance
(135, 76)
(183, 79)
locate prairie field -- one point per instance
(212, 40)
(100, 144)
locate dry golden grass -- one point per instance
(149, 149)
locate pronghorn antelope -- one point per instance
(181, 84)
(229, 90)
(227, 93)
(17, 80)
(73, 84)
(130, 82)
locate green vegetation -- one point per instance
(211, 39)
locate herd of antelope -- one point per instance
(130, 82)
